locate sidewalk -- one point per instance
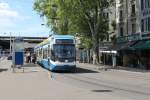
(139, 78)
(107, 67)
(38, 86)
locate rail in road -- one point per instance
(84, 79)
(94, 81)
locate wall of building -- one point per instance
(131, 13)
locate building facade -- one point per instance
(133, 32)
(106, 55)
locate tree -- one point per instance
(77, 16)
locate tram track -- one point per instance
(100, 83)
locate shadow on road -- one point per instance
(82, 70)
(134, 69)
(77, 71)
(101, 90)
(26, 71)
(2, 70)
(30, 65)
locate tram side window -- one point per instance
(45, 53)
(49, 52)
(37, 53)
(40, 53)
(52, 55)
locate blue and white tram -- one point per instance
(57, 53)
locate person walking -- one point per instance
(28, 57)
(34, 58)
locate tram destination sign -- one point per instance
(64, 41)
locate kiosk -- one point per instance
(18, 53)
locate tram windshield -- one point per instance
(64, 51)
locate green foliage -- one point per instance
(76, 16)
(85, 42)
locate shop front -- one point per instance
(142, 49)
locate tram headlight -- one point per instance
(57, 61)
(66, 61)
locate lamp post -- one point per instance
(127, 16)
(49, 31)
(10, 48)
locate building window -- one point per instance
(145, 4)
(121, 15)
(133, 9)
(107, 15)
(121, 1)
(148, 23)
(133, 28)
(121, 31)
(148, 3)
(142, 25)
(142, 4)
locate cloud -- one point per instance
(36, 29)
(17, 16)
(4, 6)
(6, 12)
(8, 17)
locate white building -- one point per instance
(132, 17)
(133, 30)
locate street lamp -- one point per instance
(49, 31)
(10, 48)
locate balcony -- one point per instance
(132, 1)
(121, 1)
(133, 16)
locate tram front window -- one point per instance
(64, 52)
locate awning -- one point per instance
(142, 45)
(110, 52)
(106, 50)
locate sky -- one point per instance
(18, 18)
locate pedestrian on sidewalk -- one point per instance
(34, 58)
(28, 57)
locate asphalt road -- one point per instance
(110, 82)
(87, 83)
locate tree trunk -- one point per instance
(88, 56)
(95, 50)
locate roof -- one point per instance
(63, 36)
(57, 37)
(29, 45)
